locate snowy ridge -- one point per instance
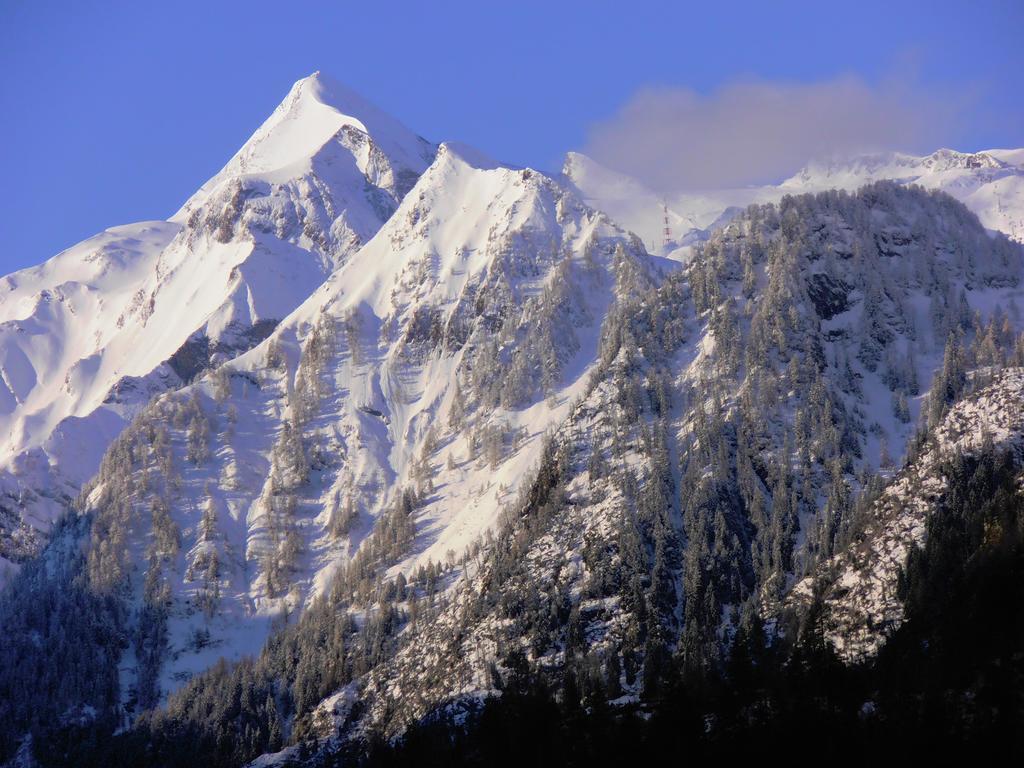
(89, 337)
(626, 200)
(991, 187)
(55, 321)
(317, 112)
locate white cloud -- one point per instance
(757, 132)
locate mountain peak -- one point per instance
(352, 109)
(325, 90)
(587, 174)
(316, 109)
(465, 154)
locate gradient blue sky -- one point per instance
(116, 112)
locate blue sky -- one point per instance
(116, 113)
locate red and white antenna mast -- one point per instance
(667, 232)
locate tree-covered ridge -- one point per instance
(618, 489)
(946, 687)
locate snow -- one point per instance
(991, 184)
(640, 210)
(862, 606)
(311, 115)
(1008, 156)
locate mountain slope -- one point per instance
(715, 455)
(989, 183)
(89, 337)
(641, 210)
(944, 687)
(860, 586)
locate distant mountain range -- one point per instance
(989, 183)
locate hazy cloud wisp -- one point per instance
(758, 132)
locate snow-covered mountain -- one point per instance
(989, 183)
(385, 423)
(390, 415)
(87, 338)
(717, 448)
(643, 211)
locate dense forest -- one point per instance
(948, 685)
